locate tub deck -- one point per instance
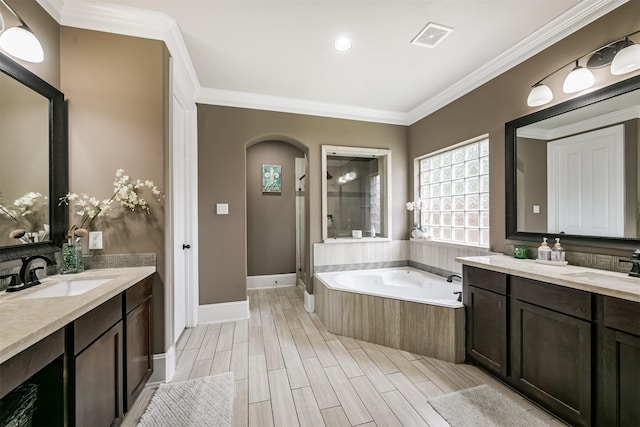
(424, 329)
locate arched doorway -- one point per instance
(276, 192)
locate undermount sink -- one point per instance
(605, 278)
(65, 288)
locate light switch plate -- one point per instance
(222, 208)
(536, 209)
(95, 240)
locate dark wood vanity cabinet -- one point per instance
(110, 357)
(95, 363)
(485, 303)
(550, 344)
(618, 363)
(138, 339)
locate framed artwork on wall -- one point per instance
(271, 178)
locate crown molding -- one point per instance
(569, 22)
(254, 101)
(119, 19)
(53, 8)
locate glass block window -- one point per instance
(454, 190)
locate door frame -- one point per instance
(183, 176)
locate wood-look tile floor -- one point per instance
(290, 371)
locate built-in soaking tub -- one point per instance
(403, 308)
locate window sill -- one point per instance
(352, 240)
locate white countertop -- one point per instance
(602, 282)
(24, 322)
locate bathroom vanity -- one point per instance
(90, 354)
(566, 337)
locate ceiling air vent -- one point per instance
(431, 35)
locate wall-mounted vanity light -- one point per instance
(622, 54)
(19, 40)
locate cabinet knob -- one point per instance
(186, 246)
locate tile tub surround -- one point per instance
(435, 256)
(423, 329)
(360, 253)
(27, 321)
(609, 283)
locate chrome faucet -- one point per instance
(635, 261)
(28, 276)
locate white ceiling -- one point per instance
(281, 51)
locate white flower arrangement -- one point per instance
(418, 231)
(28, 212)
(125, 191)
(416, 204)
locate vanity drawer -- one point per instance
(96, 322)
(135, 295)
(622, 315)
(573, 302)
(485, 279)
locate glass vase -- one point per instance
(72, 261)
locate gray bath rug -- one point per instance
(205, 402)
(483, 406)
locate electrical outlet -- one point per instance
(95, 240)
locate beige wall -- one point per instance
(271, 217)
(116, 87)
(489, 107)
(223, 133)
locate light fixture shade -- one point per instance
(626, 61)
(540, 94)
(579, 78)
(22, 43)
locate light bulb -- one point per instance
(22, 43)
(627, 60)
(579, 78)
(540, 94)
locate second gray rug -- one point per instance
(205, 402)
(483, 406)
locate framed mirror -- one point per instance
(355, 194)
(572, 170)
(33, 173)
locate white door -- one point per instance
(586, 183)
(181, 247)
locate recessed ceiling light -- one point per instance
(342, 44)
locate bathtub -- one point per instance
(403, 283)
(403, 308)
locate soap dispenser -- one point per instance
(544, 251)
(557, 253)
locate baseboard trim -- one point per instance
(270, 281)
(309, 302)
(164, 366)
(223, 312)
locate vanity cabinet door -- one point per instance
(551, 360)
(98, 381)
(138, 344)
(619, 364)
(486, 329)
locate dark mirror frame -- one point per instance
(58, 161)
(511, 128)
